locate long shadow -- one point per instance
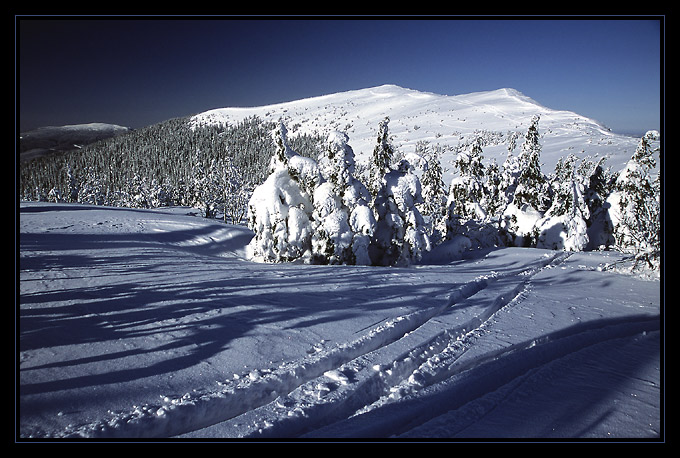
(139, 295)
(564, 352)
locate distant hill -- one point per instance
(41, 141)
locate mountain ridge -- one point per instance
(43, 140)
(435, 119)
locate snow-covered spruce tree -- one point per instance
(493, 199)
(387, 240)
(91, 189)
(531, 197)
(564, 226)
(467, 189)
(598, 182)
(381, 159)
(635, 205)
(434, 194)
(72, 183)
(532, 188)
(342, 221)
(236, 191)
(509, 173)
(469, 200)
(400, 236)
(204, 188)
(280, 209)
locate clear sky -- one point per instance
(140, 71)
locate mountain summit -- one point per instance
(448, 121)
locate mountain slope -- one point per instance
(448, 121)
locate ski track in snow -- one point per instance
(313, 396)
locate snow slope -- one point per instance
(440, 119)
(151, 324)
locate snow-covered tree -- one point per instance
(509, 174)
(280, 209)
(598, 187)
(381, 159)
(470, 199)
(467, 189)
(205, 188)
(73, 184)
(91, 189)
(532, 186)
(331, 235)
(564, 226)
(635, 204)
(493, 199)
(342, 220)
(434, 195)
(236, 192)
(531, 195)
(400, 237)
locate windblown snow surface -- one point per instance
(152, 324)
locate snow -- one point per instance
(417, 116)
(154, 324)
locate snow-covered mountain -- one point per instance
(442, 120)
(138, 323)
(37, 142)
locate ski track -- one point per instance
(316, 394)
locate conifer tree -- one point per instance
(531, 183)
(341, 227)
(493, 201)
(509, 174)
(467, 190)
(635, 204)
(565, 223)
(531, 196)
(434, 195)
(280, 209)
(382, 157)
(400, 237)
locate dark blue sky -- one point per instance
(139, 71)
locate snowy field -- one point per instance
(151, 324)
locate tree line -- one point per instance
(322, 212)
(318, 209)
(212, 167)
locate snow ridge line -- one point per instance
(199, 410)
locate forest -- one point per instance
(307, 199)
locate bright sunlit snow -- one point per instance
(147, 324)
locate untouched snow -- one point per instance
(151, 324)
(443, 120)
